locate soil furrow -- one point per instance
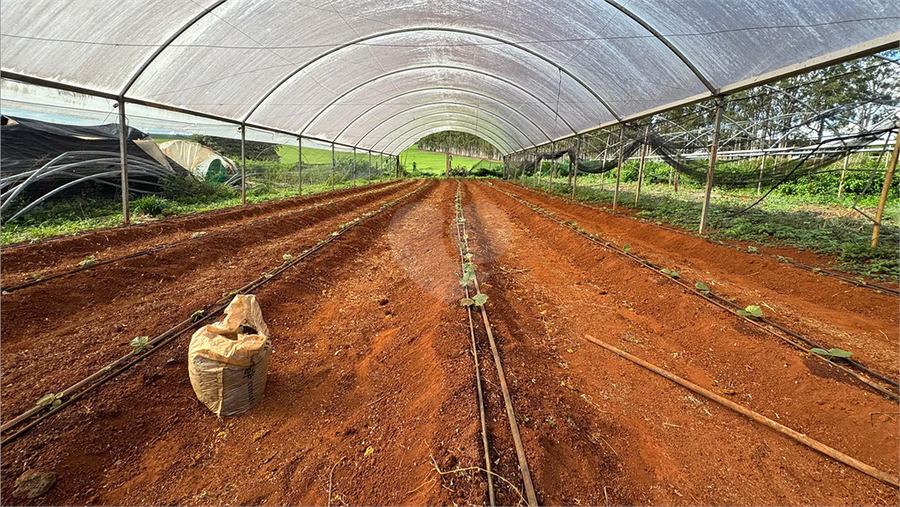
(62, 330)
(553, 287)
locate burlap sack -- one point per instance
(228, 360)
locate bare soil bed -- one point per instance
(372, 393)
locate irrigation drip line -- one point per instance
(769, 327)
(851, 280)
(87, 385)
(159, 248)
(204, 214)
(778, 427)
(463, 253)
(507, 399)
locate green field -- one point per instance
(427, 163)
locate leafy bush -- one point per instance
(152, 205)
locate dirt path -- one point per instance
(552, 287)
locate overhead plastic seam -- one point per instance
(452, 103)
(430, 29)
(500, 142)
(429, 67)
(667, 43)
(440, 88)
(473, 129)
(166, 44)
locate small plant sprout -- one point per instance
(37, 277)
(196, 316)
(287, 257)
(626, 248)
(88, 261)
(466, 302)
(673, 274)
(198, 234)
(468, 274)
(480, 299)
(139, 344)
(51, 400)
(751, 311)
(752, 249)
(702, 287)
(831, 353)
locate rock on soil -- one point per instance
(34, 483)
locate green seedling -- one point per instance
(139, 344)
(752, 249)
(198, 234)
(287, 257)
(480, 299)
(37, 277)
(626, 248)
(702, 287)
(751, 311)
(466, 302)
(88, 261)
(831, 353)
(196, 316)
(50, 400)
(673, 274)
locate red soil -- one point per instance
(371, 349)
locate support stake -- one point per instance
(243, 164)
(621, 161)
(712, 165)
(332, 167)
(299, 166)
(637, 195)
(892, 165)
(843, 175)
(123, 154)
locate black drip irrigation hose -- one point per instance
(85, 386)
(204, 214)
(762, 323)
(463, 253)
(819, 271)
(159, 248)
(531, 499)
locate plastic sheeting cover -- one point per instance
(311, 69)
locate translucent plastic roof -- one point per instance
(379, 74)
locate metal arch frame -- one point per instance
(429, 67)
(451, 103)
(397, 31)
(457, 128)
(441, 88)
(684, 59)
(167, 43)
(501, 143)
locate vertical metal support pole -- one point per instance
(353, 173)
(605, 153)
(537, 162)
(332, 167)
(619, 168)
(888, 177)
(243, 164)
(713, 151)
(573, 165)
(762, 167)
(370, 165)
(123, 157)
(299, 166)
(398, 166)
(843, 175)
(640, 182)
(447, 164)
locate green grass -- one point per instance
(801, 222)
(72, 215)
